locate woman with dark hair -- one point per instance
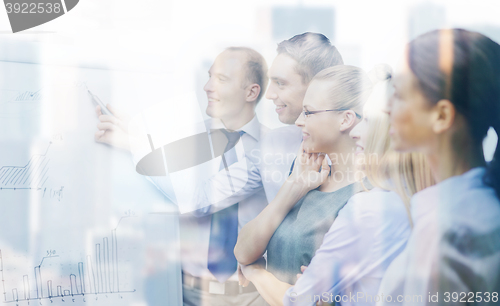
(447, 96)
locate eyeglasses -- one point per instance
(306, 113)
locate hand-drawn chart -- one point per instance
(32, 176)
(29, 96)
(97, 274)
(64, 237)
(19, 103)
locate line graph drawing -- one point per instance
(32, 176)
(15, 96)
(98, 275)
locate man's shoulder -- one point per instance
(289, 129)
(264, 130)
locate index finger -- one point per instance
(108, 118)
(320, 158)
(116, 112)
(98, 110)
(240, 275)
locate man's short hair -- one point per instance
(256, 68)
(313, 53)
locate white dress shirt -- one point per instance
(454, 246)
(368, 233)
(195, 225)
(268, 166)
(278, 151)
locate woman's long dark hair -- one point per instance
(465, 69)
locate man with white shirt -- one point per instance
(233, 90)
(237, 80)
(299, 59)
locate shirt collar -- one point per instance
(440, 194)
(252, 128)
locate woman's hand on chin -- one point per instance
(310, 170)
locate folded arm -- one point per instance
(255, 235)
(269, 287)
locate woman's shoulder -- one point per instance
(375, 202)
(376, 196)
(374, 211)
(478, 210)
(463, 201)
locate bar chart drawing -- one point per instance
(99, 275)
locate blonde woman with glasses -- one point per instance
(362, 236)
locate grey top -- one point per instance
(301, 233)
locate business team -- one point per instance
(380, 193)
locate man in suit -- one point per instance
(237, 80)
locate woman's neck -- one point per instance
(343, 169)
(449, 160)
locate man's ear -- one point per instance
(348, 120)
(253, 91)
(443, 117)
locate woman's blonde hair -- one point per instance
(403, 173)
(350, 86)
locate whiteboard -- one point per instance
(78, 225)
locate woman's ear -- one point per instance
(253, 91)
(443, 117)
(348, 120)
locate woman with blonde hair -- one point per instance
(370, 230)
(403, 173)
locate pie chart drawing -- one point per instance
(27, 14)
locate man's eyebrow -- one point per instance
(219, 75)
(277, 79)
(222, 75)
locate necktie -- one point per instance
(224, 229)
